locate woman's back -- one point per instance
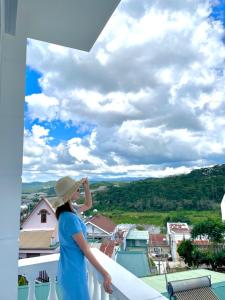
(72, 273)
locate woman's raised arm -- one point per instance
(87, 194)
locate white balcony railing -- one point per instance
(125, 285)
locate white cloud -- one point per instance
(43, 107)
(152, 88)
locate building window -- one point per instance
(43, 214)
(156, 250)
(43, 217)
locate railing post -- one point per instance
(111, 297)
(31, 286)
(103, 293)
(52, 289)
(90, 281)
(96, 289)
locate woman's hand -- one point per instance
(84, 182)
(107, 284)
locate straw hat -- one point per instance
(65, 187)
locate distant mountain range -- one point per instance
(201, 189)
(38, 186)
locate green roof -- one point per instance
(158, 282)
(138, 235)
(219, 290)
(135, 262)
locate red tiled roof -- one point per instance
(107, 247)
(158, 239)
(201, 242)
(179, 227)
(103, 222)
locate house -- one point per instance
(159, 245)
(177, 232)
(180, 231)
(137, 239)
(38, 234)
(133, 252)
(99, 227)
(41, 217)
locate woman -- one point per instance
(72, 272)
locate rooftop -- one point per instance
(136, 262)
(102, 222)
(36, 239)
(138, 235)
(158, 282)
(178, 228)
(201, 242)
(107, 247)
(158, 240)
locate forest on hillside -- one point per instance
(201, 189)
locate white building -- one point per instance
(223, 208)
(177, 232)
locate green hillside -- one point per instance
(201, 189)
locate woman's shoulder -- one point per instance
(68, 215)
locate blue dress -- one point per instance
(72, 271)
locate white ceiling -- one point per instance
(71, 23)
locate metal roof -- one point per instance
(138, 235)
(135, 262)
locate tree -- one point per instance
(213, 230)
(186, 251)
(22, 280)
(220, 259)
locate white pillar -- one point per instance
(223, 208)
(12, 91)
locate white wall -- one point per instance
(181, 237)
(34, 221)
(92, 229)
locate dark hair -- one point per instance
(62, 208)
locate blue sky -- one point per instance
(59, 131)
(219, 11)
(143, 102)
